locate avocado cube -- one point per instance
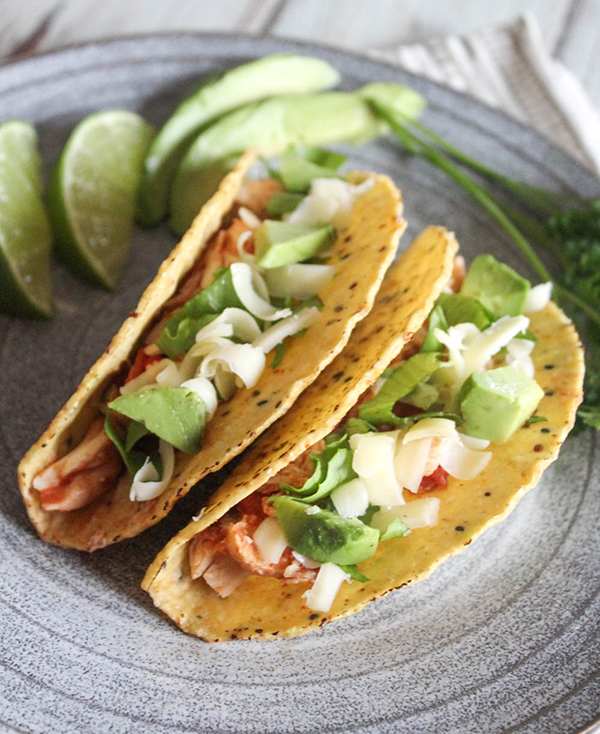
(325, 537)
(499, 288)
(460, 309)
(282, 243)
(497, 402)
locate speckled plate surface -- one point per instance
(503, 638)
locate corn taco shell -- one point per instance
(361, 255)
(264, 607)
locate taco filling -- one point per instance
(255, 287)
(464, 384)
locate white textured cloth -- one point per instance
(510, 68)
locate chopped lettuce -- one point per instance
(403, 381)
(437, 320)
(180, 331)
(423, 396)
(282, 202)
(357, 425)
(333, 467)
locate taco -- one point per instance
(366, 485)
(233, 328)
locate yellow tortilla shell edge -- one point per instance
(362, 253)
(404, 301)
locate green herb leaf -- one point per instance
(279, 352)
(396, 529)
(355, 573)
(535, 419)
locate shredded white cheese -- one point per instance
(243, 361)
(275, 334)
(417, 514)
(329, 200)
(519, 356)
(169, 377)
(373, 461)
(326, 586)
(350, 499)
(270, 540)
(246, 283)
(206, 390)
(464, 463)
(146, 378)
(411, 462)
(248, 217)
(538, 298)
(147, 484)
(431, 428)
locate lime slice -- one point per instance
(25, 235)
(92, 194)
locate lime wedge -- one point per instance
(91, 201)
(25, 235)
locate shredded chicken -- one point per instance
(224, 575)
(81, 476)
(255, 195)
(232, 538)
(223, 252)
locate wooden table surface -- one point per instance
(571, 28)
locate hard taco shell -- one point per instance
(265, 607)
(362, 253)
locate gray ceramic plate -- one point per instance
(504, 638)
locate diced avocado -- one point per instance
(497, 402)
(499, 288)
(267, 77)
(325, 537)
(175, 414)
(282, 243)
(282, 202)
(461, 309)
(297, 173)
